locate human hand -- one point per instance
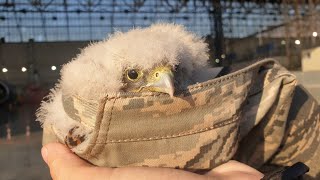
(64, 165)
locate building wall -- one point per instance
(311, 60)
(311, 81)
(36, 57)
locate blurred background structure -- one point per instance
(38, 36)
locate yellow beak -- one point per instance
(161, 80)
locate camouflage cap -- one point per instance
(200, 128)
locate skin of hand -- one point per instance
(65, 165)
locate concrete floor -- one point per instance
(21, 159)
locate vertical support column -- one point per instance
(312, 22)
(112, 16)
(218, 29)
(287, 32)
(296, 62)
(65, 5)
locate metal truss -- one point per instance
(82, 20)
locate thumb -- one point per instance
(63, 164)
(235, 170)
(54, 152)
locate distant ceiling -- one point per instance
(83, 20)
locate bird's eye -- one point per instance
(133, 74)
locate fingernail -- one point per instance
(44, 153)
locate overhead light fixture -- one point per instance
(4, 70)
(283, 42)
(297, 42)
(23, 69)
(223, 56)
(217, 60)
(314, 34)
(53, 68)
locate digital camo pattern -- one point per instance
(197, 129)
(265, 115)
(243, 115)
(302, 140)
(280, 126)
(81, 110)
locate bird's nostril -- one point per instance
(157, 74)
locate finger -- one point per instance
(234, 166)
(144, 173)
(235, 169)
(236, 175)
(54, 151)
(61, 161)
(64, 164)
